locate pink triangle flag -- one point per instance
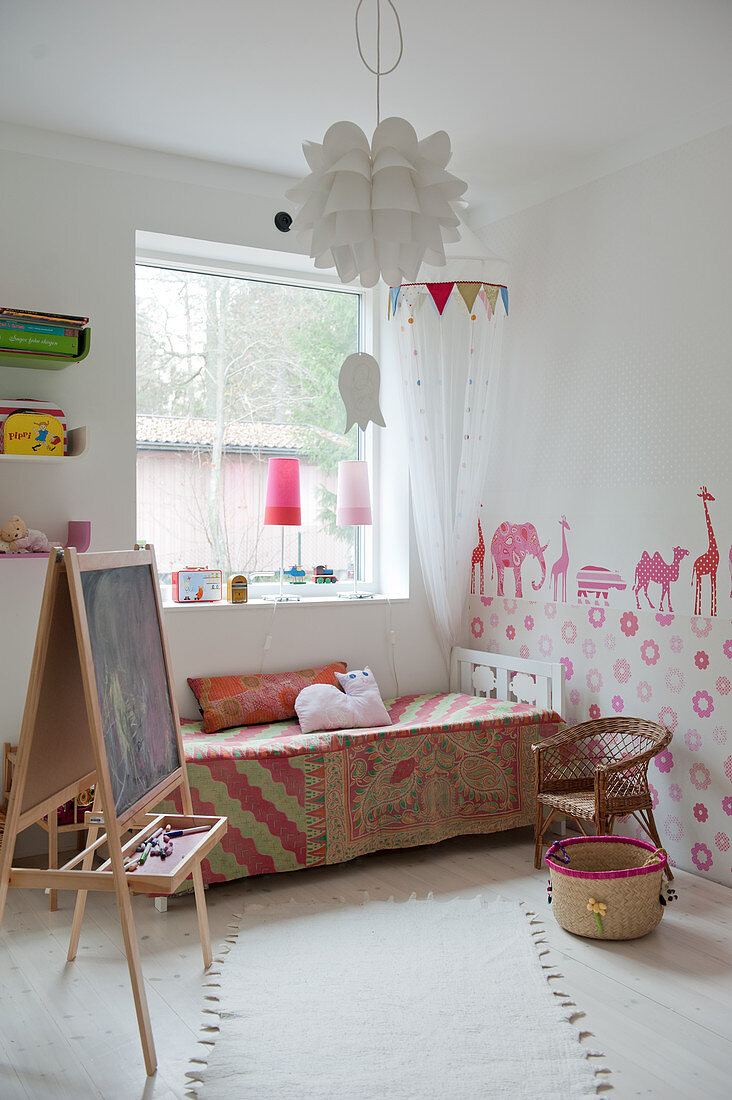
(440, 293)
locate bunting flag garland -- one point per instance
(469, 292)
(440, 293)
(491, 293)
(393, 299)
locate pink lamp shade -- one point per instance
(282, 506)
(354, 499)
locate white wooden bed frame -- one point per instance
(515, 679)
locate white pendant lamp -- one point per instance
(378, 209)
(353, 508)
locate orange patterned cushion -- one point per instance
(254, 700)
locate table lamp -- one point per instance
(282, 508)
(353, 508)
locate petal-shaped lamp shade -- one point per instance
(377, 210)
(282, 506)
(353, 498)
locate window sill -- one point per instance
(303, 601)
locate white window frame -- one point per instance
(211, 258)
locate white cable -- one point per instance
(392, 643)
(378, 72)
(268, 638)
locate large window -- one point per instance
(231, 371)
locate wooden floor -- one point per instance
(659, 1008)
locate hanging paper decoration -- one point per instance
(377, 209)
(359, 382)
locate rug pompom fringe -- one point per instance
(195, 1078)
(538, 932)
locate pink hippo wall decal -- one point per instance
(595, 581)
(510, 544)
(656, 569)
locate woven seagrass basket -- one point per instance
(606, 887)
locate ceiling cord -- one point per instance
(378, 72)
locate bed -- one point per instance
(451, 763)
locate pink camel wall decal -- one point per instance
(477, 559)
(706, 564)
(656, 569)
(561, 565)
(510, 544)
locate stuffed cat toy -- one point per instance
(324, 707)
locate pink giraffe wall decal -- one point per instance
(510, 544)
(706, 564)
(656, 569)
(561, 565)
(477, 559)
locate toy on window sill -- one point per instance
(296, 575)
(237, 589)
(17, 538)
(323, 575)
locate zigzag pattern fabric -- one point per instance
(450, 764)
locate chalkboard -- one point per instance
(138, 722)
(100, 710)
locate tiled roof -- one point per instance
(188, 432)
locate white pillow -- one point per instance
(323, 707)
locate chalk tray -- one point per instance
(157, 876)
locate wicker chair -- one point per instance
(597, 771)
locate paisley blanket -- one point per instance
(450, 764)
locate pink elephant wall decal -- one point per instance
(510, 544)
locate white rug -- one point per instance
(390, 1001)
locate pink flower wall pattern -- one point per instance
(665, 666)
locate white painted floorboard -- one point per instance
(659, 1008)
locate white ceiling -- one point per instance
(537, 95)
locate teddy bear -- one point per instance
(17, 538)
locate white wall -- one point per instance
(72, 209)
(614, 411)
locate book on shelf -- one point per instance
(38, 317)
(42, 343)
(26, 326)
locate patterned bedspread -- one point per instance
(450, 764)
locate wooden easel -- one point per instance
(101, 710)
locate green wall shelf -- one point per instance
(47, 362)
